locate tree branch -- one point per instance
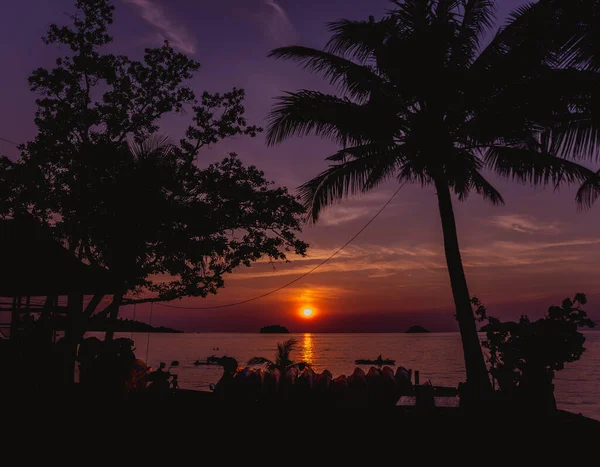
(91, 257)
(131, 301)
(91, 307)
(282, 237)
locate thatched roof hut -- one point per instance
(33, 264)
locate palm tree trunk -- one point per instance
(477, 376)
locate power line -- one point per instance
(297, 278)
(9, 141)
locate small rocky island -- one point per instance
(416, 330)
(274, 329)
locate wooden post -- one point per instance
(424, 400)
(73, 335)
(416, 377)
(14, 319)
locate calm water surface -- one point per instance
(437, 356)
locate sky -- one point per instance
(520, 258)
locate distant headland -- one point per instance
(416, 330)
(274, 329)
(100, 324)
(128, 325)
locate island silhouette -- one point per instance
(274, 329)
(416, 330)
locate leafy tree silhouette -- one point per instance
(119, 196)
(525, 355)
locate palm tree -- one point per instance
(422, 102)
(282, 360)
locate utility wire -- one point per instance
(285, 285)
(297, 278)
(9, 141)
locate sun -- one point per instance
(308, 312)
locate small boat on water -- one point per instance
(379, 361)
(212, 360)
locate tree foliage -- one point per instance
(122, 197)
(176, 229)
(526, 352)
(421, 97)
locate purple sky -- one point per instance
(520, 258)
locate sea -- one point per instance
(437, 356)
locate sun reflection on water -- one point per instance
(308, 349)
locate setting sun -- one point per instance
(308, 313)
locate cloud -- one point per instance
(176, 34)
(338, 215)
(428, 262)
(525, 247)
(359, 206)
(372, 260)
(381, 275)
(511, 254)
(524, 224)
(311, 292)
(275, 23)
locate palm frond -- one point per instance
(305, 112)
(388, 151)
(561, 103)
(531, 166)
(478, 183)
(283, 360)
(525, 41)
(357, 80)
(564, 102)
(589, 192)
(261, 361)
(156, 144)
(478, 16)
(463, 174)
(410, 173)
(347, 178)
(446, 10)
(285, 348)
(477, 19)
(564, 30)
(415, 15)
(359, 39)
(300, 366)
(578, 138)
(578, 23)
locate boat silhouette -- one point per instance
(379, 361)
(212, 360)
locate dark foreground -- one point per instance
(188, 404)
(208, 431)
